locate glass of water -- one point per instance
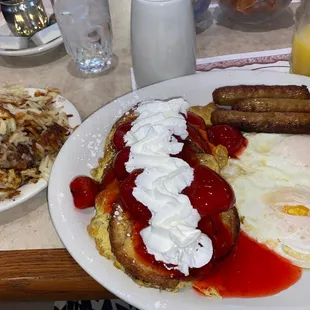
(86, 30)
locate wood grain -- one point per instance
(39, 275)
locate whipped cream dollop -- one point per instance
(172, 235)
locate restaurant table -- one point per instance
(33, 262)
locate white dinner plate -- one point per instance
(29, 190)
(81, 152)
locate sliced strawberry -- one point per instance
(136, 209)
(206, 226)
(118, 138)
(209, 193)
(84, 191)
(188, 154)
(227, 136)
(194, 137)
(108, 177)
(120, 160)
(196, 121)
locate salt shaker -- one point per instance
(24, 17)
(163, 40)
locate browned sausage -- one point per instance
(272, 105)
(228, 95)
(269, 122)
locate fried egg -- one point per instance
(271, 180)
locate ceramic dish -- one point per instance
(29, 190)
(81, 152)
(32, 48)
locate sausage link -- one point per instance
(229, 95)
(268, 122)
(272, 105)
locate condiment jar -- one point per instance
(163, 40)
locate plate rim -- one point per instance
(33, 50)
(42, 183)
(58, 227)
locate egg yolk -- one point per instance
(296, 210)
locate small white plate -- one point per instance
(32, 48)
(30, 190)
(81, 152)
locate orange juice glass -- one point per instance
(300, 58)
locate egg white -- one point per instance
(270, 176)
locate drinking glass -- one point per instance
(300, 57)
(85, 26)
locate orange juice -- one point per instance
(300, 60)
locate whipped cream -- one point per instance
(172, 235)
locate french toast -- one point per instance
(115, 232)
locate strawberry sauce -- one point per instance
(251, 270)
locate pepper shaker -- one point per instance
(163, 40)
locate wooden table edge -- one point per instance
(38, 275)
